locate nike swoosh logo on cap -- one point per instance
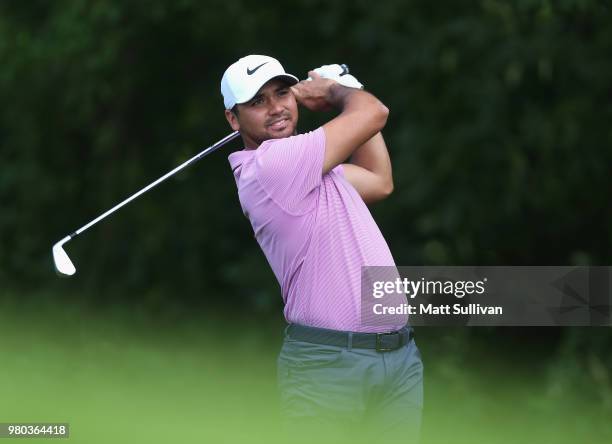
(252, 71)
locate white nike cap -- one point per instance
(242, 80)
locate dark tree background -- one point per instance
(499, 133)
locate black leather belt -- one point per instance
(381, 342)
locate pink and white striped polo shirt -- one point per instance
(314, 229)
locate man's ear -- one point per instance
(232, 119)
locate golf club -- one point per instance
(63, 264)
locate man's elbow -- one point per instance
(387, 189)
(377, 194)
(382, 114)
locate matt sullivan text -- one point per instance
(431, 309)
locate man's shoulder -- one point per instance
(238, 158)
(313, 136)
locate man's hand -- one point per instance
(361, 115)
(316, 94)
(340, 74)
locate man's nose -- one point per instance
(275, 106)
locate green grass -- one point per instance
(119, 377)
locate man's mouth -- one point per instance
(279, 124)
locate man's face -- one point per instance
(270, 114)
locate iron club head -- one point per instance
(63, 264)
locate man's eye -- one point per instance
(256, 102)
(283, 92)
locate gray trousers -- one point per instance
(350, 393)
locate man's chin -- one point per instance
(287, 132)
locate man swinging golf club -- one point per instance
(307, 205)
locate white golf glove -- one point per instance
(340, 74)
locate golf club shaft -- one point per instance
(185, 164)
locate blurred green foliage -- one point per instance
(125, 379)
(499, 135)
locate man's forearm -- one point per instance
(338, 95)
(361, 116)
(374, 157)
(348, 99)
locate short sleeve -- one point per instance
(339, 170)
(290, 170)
